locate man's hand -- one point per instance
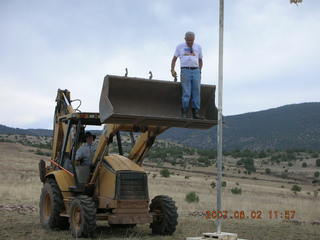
(174, 73)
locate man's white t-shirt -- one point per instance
(189, 57)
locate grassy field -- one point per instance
(20, 189)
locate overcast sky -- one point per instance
(271, 50)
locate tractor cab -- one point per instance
(74, 136)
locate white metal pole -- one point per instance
(219, 132)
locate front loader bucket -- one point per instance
(145, 102)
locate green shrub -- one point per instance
(296, 188)
(316, 174)
(39, 152)
(248, 164)
(204, 161)
(224, 184)
(236, 190)
(165, 173)
(192, 197)
(318, 162)
(213, 184)
(268, 170)
(284, 175)
(262, 154)
(304, 165)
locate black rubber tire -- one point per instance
(87, 210)
(42, 170)
(50, 216)
(166, 223)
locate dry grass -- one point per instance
(254, 197)
(20, 184)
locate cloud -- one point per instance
(271, 50)
(21, 107)
(270, 41)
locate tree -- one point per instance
(192, 197)
(268, 171)
(262, 154)
(165, 173)
(318, 162)
(295, 188)
(304, 165)
(236, 190)
(213, 184)
(316, 174)
(248, 163)
(204, 161)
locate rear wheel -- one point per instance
(51, 205)
(82, 216)
(165, 216)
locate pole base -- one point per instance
(218, 236)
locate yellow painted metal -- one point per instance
(63, 107)
(56, 143)
(105, 183)
(64, 181)
(119, 163)
(143, 144)
(108, 131)
(105, 186)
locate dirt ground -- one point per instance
(20, 189)
(26, 226)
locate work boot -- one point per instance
(195, 114)
(184, 113)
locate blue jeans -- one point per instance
(190, 82)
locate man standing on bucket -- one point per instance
(190, 55)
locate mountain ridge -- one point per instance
(292, 126)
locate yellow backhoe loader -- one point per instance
(115, 187)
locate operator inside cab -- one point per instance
(86, 152)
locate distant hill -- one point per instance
(33, 132)
(295, 126)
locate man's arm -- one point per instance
(200, 58)
(200, 64)
(173, 64)
(79, 155)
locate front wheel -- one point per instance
(165, 216)
(51, 205)
(82, 217)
